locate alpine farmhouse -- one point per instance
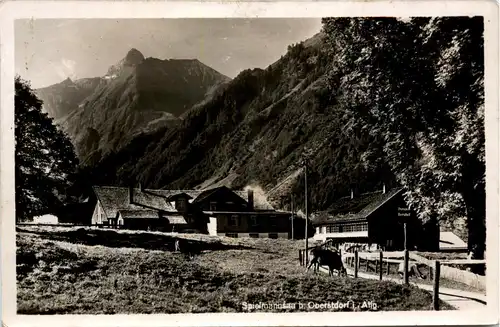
(376, 218)
(217, 211)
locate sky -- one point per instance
(47, 51)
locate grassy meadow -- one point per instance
(98, 271)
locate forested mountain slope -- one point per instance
(366, 102)
(256, 131)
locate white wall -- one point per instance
(212, 226)
(323, 236)
(95, 214)
(46, 219)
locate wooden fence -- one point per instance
(455, 274)
(382, 264)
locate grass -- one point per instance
(85, 271)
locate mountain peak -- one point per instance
(133, 57)
(67, 81)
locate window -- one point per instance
(333, 229)
(234, 235)
(233, 221)
(273, 235)
(254, 221)
(253, 235)
(213, 206)
(351, 227)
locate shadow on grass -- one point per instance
(114, 239)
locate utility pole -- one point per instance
(291, 196)
(405, 236)
(406, 255)
(307, 215)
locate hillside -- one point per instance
(62, 98)
(255, 131)
(136, 95)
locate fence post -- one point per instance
(405, 270)
(381, 262)
(356, 264)
(431, 272)
(435, 294)
(300, 258)
(388, 268)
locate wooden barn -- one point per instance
(217, 211)
(376, 218)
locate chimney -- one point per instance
(383, 189)
(352, 194)
(131, 194)
(250, 200)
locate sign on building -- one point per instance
(404, 212)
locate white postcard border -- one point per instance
(181, 9)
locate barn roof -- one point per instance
(182, 194)
(355, 209)
(147, 214)
(259, 202)
(113, 199)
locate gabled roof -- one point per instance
(151, 214)
(147, 214)
(356, 209)
(207, 193)
(113, 199)
(179, 195)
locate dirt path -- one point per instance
(461, 300)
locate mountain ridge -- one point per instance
(255, 131)
(135, 96)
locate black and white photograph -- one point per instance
(277, 165)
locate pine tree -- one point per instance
(45, 161)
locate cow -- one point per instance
(332, 259)
(413, 270)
